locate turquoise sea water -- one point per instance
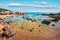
(42, 12)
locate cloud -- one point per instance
(14, 4)
(33, 5)
(47, 6)
(44, 3)
(43, 8)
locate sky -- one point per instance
(31, 5)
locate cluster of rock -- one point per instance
(55, 16)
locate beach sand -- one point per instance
(44, 34)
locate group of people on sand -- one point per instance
(7, 31)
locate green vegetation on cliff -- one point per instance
(3, 9)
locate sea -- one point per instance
(41, 12)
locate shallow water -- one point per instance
(29, 15)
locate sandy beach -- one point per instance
(28, 29)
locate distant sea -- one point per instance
(33, 13)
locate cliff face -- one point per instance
(3, 9)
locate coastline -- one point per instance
(31, 28)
